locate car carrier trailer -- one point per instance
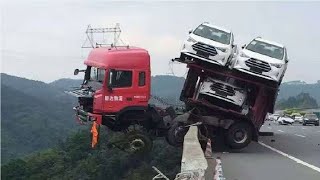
(226, 104)
(239, 126)
(116, 91)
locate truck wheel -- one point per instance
(139, 143)
(239, 135)
(303, 124)
(317, 124)
(176, 134)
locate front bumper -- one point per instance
(223, 91)
(84, 116)
(220, 58)
(310, 122)
(274, 74)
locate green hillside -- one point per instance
(74, 159)
(30, 123)
(294, 88)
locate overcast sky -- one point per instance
(42, 40)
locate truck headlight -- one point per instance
(222, 49)
(244, 55)
(276, 65)
(191, 40)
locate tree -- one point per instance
(301, 101)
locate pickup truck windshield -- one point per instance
(213, 34)
(266, 49)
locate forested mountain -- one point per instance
(36, 89)
(66, 84)
(294, 88)
(34, 116)
(301, 101)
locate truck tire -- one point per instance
(176, 133)
(139, 143)
(239, 135)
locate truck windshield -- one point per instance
(266, 49)
(213, 34)
(97, 74)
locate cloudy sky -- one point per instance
(42, 40)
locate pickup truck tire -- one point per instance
(239, 135)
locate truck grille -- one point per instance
(257, 65)
(202, 48)
(222, 89)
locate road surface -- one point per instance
(293, 153)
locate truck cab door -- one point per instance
(97, 79)
(120, 90)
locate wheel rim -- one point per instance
(240, 136)
(137, 144)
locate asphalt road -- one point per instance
(293, 153)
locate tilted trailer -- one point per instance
(116, 93)
(217, 110)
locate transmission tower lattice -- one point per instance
(92, 42)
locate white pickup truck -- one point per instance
(227, 92)
(209, 43)
(262, 58)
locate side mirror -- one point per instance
(190, 31)
(287, 60)
(243, 46)
(76, 72)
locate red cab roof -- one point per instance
(119, 58)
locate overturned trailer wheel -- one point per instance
(239, 135)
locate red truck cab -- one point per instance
(124, 75)
(116, 87)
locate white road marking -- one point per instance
(269, 128)
(291, 157)
(300, 135)
(218, 170)
(303, 128)
(280, 131)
